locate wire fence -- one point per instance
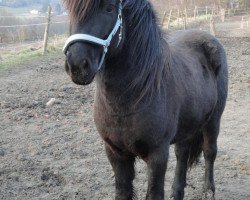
(189, 18)
(29, 25)
(222, 23)
(24, 29)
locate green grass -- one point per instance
(12, 59)
(21, 55)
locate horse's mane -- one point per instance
(147, 47)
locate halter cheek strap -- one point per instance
(94, 40)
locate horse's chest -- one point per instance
(114, 127)
(135, 133)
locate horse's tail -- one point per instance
(215, 53)
(218, 62)
(195, 149)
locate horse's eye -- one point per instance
(110, 8)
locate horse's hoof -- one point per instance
(177, 195)
(208, 195)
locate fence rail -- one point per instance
(29, 25)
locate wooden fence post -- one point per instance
(212, 26)
(185, 19)
(178, 17)
(212, 11)
(223, 13)
(242, 23)
(163, 19)
(206, 13)
(46, 33)
(229, 12)
(195, 12)
(169, 18)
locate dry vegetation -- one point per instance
(13, 31)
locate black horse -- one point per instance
(151, 92)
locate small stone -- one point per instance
(51, 102)
(45, 177)
(225, 157)
(2, 153)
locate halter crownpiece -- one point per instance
(95, 40)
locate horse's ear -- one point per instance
(65, 3)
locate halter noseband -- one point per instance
(91, 39)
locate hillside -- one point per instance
(24, 3)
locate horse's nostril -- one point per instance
(76, 64)
(68, 54)
(85, 64)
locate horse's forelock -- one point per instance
(80, 10)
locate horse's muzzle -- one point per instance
(80, 74)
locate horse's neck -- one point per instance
(116, 77)
(115, 81)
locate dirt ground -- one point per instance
(56, 153)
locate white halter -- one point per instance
(104, 43)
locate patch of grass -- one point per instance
(15, 55)
(12, 59)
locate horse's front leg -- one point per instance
(157, 166)
(123, 167)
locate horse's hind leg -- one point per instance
(210, 135)
(181, 152)
(123, 167)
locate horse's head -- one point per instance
(95, 28)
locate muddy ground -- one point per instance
(56, 153)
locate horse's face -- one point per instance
(82, 57)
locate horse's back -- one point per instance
(202, 43)
(208, 47)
